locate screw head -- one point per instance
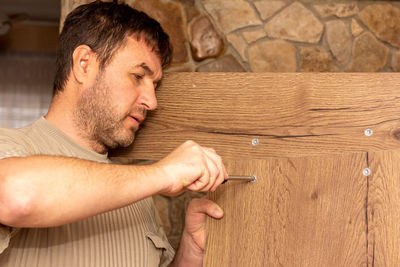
(368, 132)
(255, 142)
(367, 172)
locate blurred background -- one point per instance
(28, 40)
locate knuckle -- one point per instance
(218, 159)
(191, 143)
(212, 150)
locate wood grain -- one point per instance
(306, 211)
(311, 205)
(292, 114)
(384, 209)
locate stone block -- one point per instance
(340, 10)
(223, 64)
(253, 35)
(238, 43)
(396, 61)
(316, 59)
(162, 205)
(384, 21)
(369, 55)
(177, 214)
(272, 56)
(339, 40)
(171, 19)
(268, 8)
(295, 23)
(231, 15)
(190, 8)
(356, 29)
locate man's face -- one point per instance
(110, 111)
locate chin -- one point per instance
(127, 141)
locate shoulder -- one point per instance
(13, 143)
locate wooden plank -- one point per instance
(384, 209)
(292, 114)
(306, 211)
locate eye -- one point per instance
(137, 76)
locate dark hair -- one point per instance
(104, 26)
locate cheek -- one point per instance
(126, 98)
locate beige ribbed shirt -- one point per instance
(129, 236)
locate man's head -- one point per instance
(109, 62)
(104, 28)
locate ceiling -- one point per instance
(36, 10)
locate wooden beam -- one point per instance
(291, 114)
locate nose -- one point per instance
(148, 97)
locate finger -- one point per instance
(222, 174)
(221, 178)
(198, 208)
(209, 174)
(202, 183)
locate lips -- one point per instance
(138, 118)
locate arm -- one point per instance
(191, 249)
(43, 191)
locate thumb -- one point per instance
(198, 210)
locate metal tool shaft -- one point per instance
(249, 178)
(241, 177)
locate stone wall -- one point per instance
(271, 36)
(280, 36)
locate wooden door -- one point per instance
(326, 159)
(306, 211)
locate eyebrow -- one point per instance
(147, 70)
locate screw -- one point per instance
(255, 142)
(368, 132)
(254, 178)
(367, 172)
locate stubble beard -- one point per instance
(99, 121)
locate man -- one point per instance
(62, 202)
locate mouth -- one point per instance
(139, 119)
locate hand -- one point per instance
(191, 248)
(192, 167)
(195, 221)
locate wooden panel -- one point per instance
(292, 114)
(384, 209)
(307, 211)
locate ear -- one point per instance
(85, 65)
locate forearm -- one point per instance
(42, 191)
